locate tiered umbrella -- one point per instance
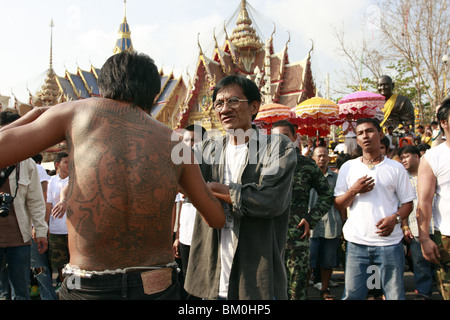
(361, 104)
(316, 115)
(273, 112)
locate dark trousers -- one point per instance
(123, 286)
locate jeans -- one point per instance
(44, 277)
(372, 267)
(423, 270)
(126, 286)
(18, 261)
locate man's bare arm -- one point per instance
(33, 133)
(195, 188)
(221, 191)
(60, 208)
(426, 187)
(27, 118)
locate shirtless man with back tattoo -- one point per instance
(122, 184)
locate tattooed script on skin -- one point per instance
(122, 186)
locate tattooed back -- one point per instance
(122, 186)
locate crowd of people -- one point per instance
(150, 214)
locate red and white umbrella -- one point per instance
(273, 112)
(361, 104)
(316, 115)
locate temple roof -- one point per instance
(243, 53)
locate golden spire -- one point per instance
(51, 43)
(245, 39)
(123, 42)
(49, 92)
(244, 35)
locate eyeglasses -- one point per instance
(233, 103)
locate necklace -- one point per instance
(370, 165)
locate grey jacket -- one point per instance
(261, 202)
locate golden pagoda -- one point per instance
(244, 53)
(49, 93)
(124, 42)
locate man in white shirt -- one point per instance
(372, 187)
(58, 239)
(433, 181)
(349, 133)
(192, 134)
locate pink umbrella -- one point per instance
(361, 104)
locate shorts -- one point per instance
(323, 252)
(58, 250)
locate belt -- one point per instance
(154, 279)
(73, 271)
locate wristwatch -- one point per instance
(399, 219)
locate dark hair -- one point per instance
(374, 121)
(385, 140)
(423, 147)
(341, 159)
(442, 113)
(196, 128)
(409, 149)
(59, 157)
(131, 77)
(285, 123)
(249, 88)
(37, 158)
(6, 117)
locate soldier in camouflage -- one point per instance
(307, 176)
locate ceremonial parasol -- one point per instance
(273, 112)
(361, 104)
(315, 115)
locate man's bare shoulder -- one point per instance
(116, 126)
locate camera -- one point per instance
(5, 204)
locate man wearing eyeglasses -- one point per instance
(251, 174)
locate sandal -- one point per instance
(326, 295)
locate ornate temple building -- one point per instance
(179, 104)
(82, 84)
(244, 53)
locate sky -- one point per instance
(85, 32)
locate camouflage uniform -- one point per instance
(443, 268)
(307, 176)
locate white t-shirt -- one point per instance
(55, 185)
(235, 159)
(43, 175)
(439, 161)
(187, 219)
(392, 187)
